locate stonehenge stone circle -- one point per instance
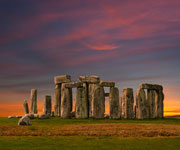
(26, 108)
(90, 100)
(47, 105)
(33, 101)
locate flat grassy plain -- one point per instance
(65, 134)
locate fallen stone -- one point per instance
(44, 116)
(62, 79)
(89, 79)
(36, 115)
(114, 103)
(31, 116)
(25, 120)
(19, 116)
(10, 117)
(107, 83)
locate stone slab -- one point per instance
(62, 79)
(107, 83)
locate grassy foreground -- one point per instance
(65, 134)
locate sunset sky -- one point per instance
(126, 41)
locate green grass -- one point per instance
(88, 143)
(84, 142)
(57, 121)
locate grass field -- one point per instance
(55, 133)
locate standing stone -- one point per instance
(26, 108)
(81, 108)
(66, 101)
(151, 101)
(91, 90)
(33, 101)
(127, 103)
(57, 97)
(114, 103)
(159, 97)
(47, 105)
(98, 100)
(142, 109)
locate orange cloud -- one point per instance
(102, 47)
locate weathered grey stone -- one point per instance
(73, 84)
(151, 101)
(31, 116)
(33, 101)
(91, 90)
(98, 100)
(150, 86)
(89, 79)
(26, 108)
(66, 101)
(10, 117)
(114, 103)
(57, 98)
(159, 105)
(142, 107)
(47, 105)
(62, 79)
(81, 108)
(44, 116)
(19, 116)
(107, 83)
(25, 120)
(127, 104)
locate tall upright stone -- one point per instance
(81, 108)
(33, 101)
(151, 101)
(26, 108)
(127, 103)
(92, 82)
(57, 98)
(58, 80)
(114, 103)
(98, 100)
(47, 105)
(66, 101)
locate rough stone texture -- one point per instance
(47, 105)
(81, 108)
(33, 101)
(25, 120)
(152, 105)
(98, 100)
(44, 116)
(89, 79)
(91, 90)
(73, 84)
(114, 103)
(151, 86)
(26, 108)
(19, 116)
(31, 116)
(62, 79)
(142, 106)
(10, 117)
(107, 83)
(66, 101)
(57, 98)
(127, 104)
(52, 114)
